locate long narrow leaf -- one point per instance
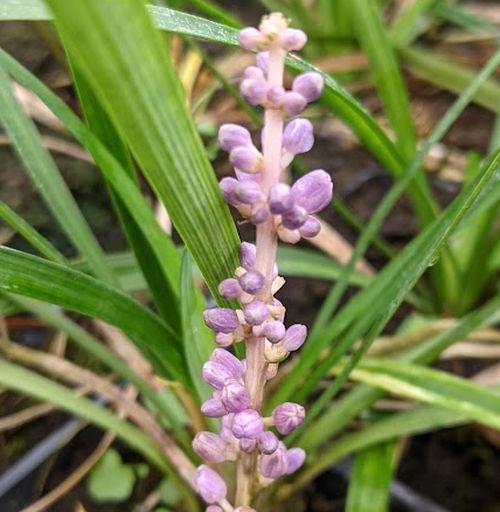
(150, 263)
(34, 277)
(371, 477)
(198, 339)
(431, 386)
(29, 233)
(341, 412)
(108, 358)
(121, 56)
(46, 177)
(165, 253)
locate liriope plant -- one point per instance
(278, 211)
(133, 102)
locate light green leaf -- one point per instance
(342, 411)
(439, 70)
(121, 57)
(46, 177)
(151, 264)
(159, 243)
(198, 339)
(28, 232)
(431, 386)
(371, 477)
(34, 277)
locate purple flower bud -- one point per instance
(210, 447)
(209, 484)
(274, 465)
(262, 60)
(224, 340)
(221, 319)
(247, 445)
(309, 85)
(231, 362)
(229, 288)
(256, 312)
(245, 158)
(233, 136)
(287, 417)
(294, 103)
(254, 72)
(213, 508)
(248, 192)
(280, 199)
(279, 305)
(294, 337)
(298, 136)
(260, 214)
(274, 331)
(294, 217)
(235, 396)
(253, 90)
(313, 191)
(252, 282)
(275, 94)
(292, 39)
(226, 425)
(248, 254)
(247, 424)
(295, 457)
(290, 236)
(310, 228)
(213, 408)
(216, 374)
(268, 443)
(249, 38)
(228, 187)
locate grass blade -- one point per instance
(421, 419)
(371, 477)
(108, 358)
(46, 177)
(159, 243)
(34, 277)
(29, 233)
(164, 294)
(440, 71)
(29, 383)
(372, 295)
(372, 36)
(121, 56)
(431, 386)
(198, 339)
(341, 412)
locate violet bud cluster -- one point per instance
(260, 317)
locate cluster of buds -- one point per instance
(286, 212)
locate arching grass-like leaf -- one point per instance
(46, 177)
(30, 276)
(125, 62)
(371, 477)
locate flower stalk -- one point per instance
(279, 212)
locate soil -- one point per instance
(457, 468)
